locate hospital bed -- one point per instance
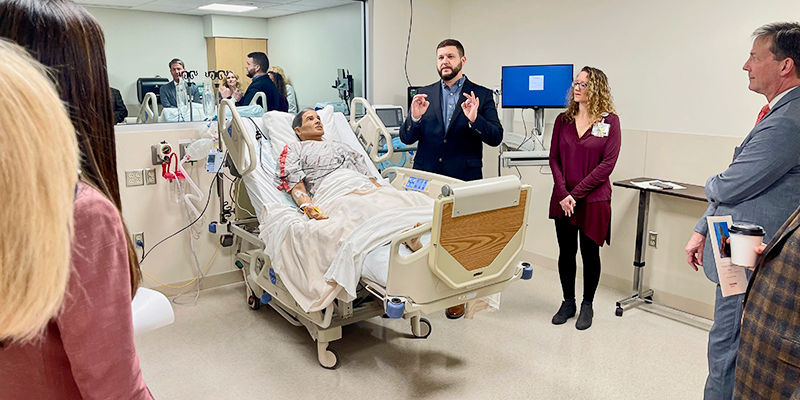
(148, 110)
(475, 237)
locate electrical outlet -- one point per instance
(652, 239)
(138, 239)
(182, 145)
(150, 176)
(134, 177)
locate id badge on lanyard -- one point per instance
(601, 128)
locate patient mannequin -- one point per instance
(304, 164)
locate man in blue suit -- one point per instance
(761, 186)
(452, 119)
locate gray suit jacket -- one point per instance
(762, 184)
(169, 96)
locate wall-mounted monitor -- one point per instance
(536, 86)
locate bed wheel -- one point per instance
(424, 329)
(618, 312)
(328, 358)
(253, 302)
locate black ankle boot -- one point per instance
(585, 319)
(564, 313)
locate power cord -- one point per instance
(187, 283)
(408, 42)
(208, 200)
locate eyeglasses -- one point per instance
(577, 84)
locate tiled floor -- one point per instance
(220, 349)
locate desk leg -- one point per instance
(639, 256)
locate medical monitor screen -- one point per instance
(391, 117)
(536, 86)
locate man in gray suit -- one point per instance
(761, 185)
(168, 93)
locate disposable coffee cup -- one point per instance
(744, 240)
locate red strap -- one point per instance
(284, 181)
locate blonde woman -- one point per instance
(232, 82)
(87, 350)
(584, 149)
(290, 96)
(41, 167)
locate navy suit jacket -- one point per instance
(458, 151)
(261, 83)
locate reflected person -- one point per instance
(256, 66)
(169, 92)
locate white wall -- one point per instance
(141, 44)
(311, 46)
(388, 46)
(675, 72)
(234, 27)
(673, 66)
(148, 209)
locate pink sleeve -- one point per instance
(96, 325)
(555, 161)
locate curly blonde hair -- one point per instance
(598, 97)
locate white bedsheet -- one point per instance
(317, 259)
(369, 255)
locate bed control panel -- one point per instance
(416, 184)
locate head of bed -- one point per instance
(239, 136)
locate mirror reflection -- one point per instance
(169, 61)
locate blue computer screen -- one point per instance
(536, 86)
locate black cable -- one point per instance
(408, 42)
(208, 200)
(525, 126)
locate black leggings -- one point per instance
(567, 235)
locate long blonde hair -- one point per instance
(279, 70)
(598, 97)
(38, 174)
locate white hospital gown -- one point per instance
(311, 161)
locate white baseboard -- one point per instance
(209, 282)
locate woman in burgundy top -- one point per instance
(87, 351)
(583, 152)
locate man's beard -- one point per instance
(454, 70)
(250, 73)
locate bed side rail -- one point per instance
(148, 110)
(256, 97)
(369, 129)
(478, 230)
(237, 141)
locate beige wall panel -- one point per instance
(229, 57)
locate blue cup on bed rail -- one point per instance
(395, 307)
(527, 271)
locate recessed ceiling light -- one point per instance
(227, 8)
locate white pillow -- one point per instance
(279, 128)
(326, 115)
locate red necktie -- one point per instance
(762, 113)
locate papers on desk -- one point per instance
(657, 185)
(732, 278)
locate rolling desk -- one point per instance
(692, 192)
